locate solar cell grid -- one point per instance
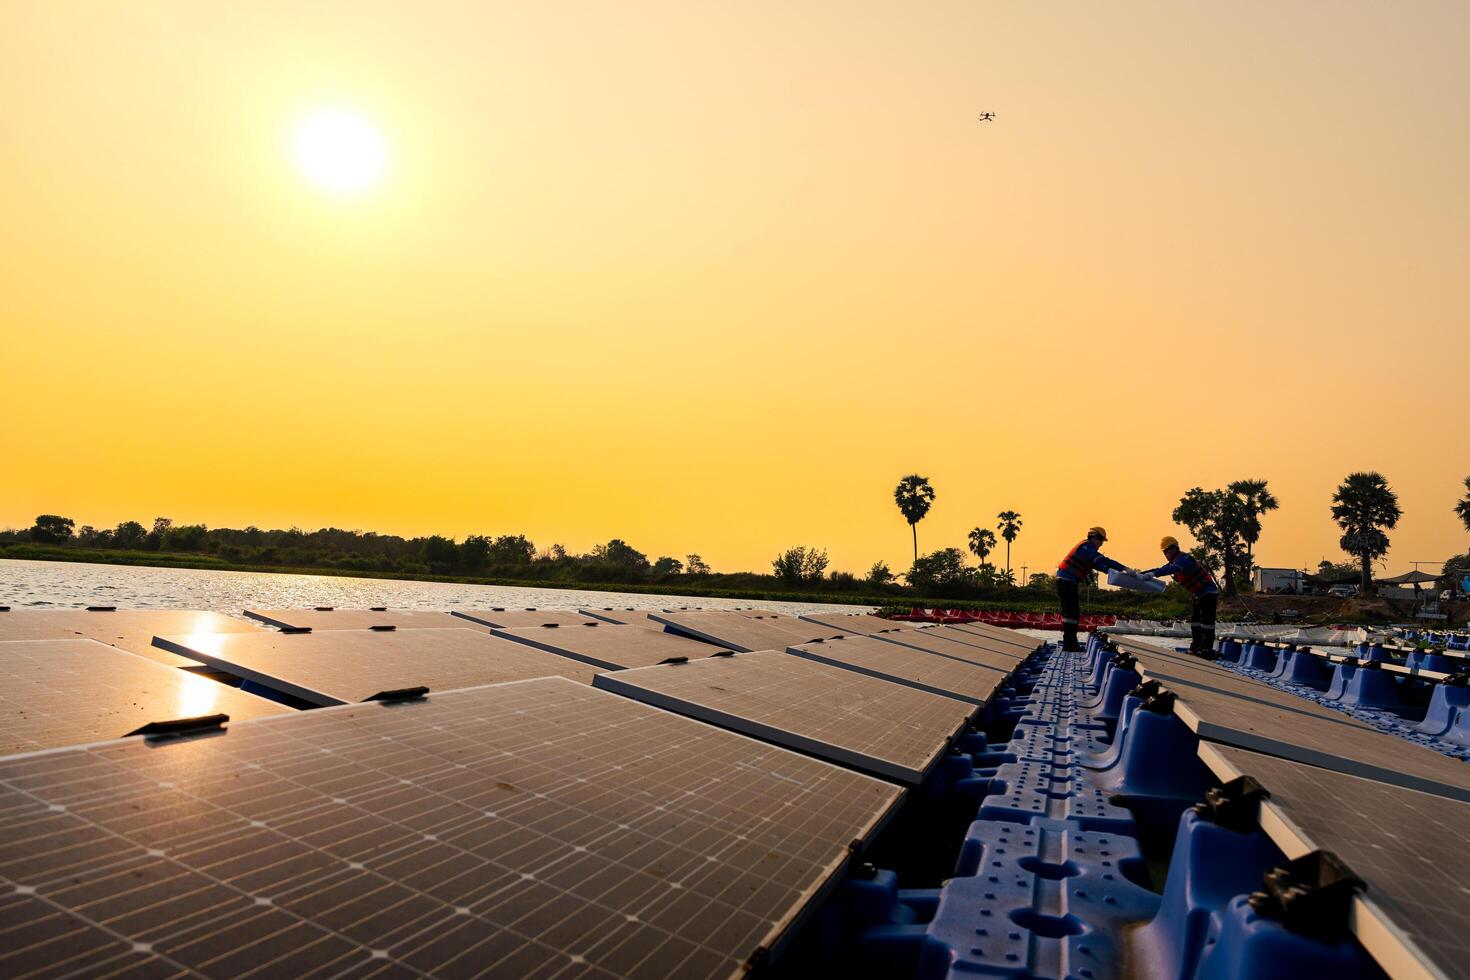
(913, 668)
(609, 646)
(513, 618)
(874, 725)
(531, 829)
(347, 666)
(354, 619)
(132, 630)
(744, 633)
(1381, 832)
(69, 692)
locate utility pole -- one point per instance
(1024, 579)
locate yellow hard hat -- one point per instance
(1168, 543)
(1100, 532)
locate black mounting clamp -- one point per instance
(181, 726)
(1235, 806)
(1311, 895)
(1159, 703)
(1124, 660)
(400, 695)
(1146, 690)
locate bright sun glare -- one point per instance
(340, 151)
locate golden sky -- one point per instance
(712, 280)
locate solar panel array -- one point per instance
(533, 829)
(347, 666)
(69, 692)
(609, 646)
(514, 618)
(1405, 844)
(353, 619)
(914, 668)
(132, 630)
(745, 633)
(871, 724)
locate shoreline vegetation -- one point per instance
(743, 585)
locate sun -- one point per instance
(340, 151)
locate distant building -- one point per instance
(1279, 580)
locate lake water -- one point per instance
(59, 585)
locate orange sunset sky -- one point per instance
(711, 278)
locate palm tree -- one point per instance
(1363, 507)
(1463, 507)
(982, 543)
(1255, 500)
(1009, 527)
(914, 496)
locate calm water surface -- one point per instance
(58, 584)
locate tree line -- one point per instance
(499, 556)
(1226, 524)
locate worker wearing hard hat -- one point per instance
(1204, 594)
(1080, 562)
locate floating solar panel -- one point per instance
(859, 623)
(745, 633)
(514, 618)
(1352, 749)
(348, 666)
(874, 725)
(132, 630)
(1171, 668)
(625, 617)
(323, 618)
(1413, 917)
(609, 646)
(69, 692)
(930, 641)
(913, 668)
(534, 829)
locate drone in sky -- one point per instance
(987, 117)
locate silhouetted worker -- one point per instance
(1204, 594)
(1080, 562)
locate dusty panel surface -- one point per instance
(354, 619)
(858, 623)
(914, 668)
(625, 617)
(347, 666)
(872, 724)
(132, 630)
(609, 646)
(737, 632)
(70, 692)
(533, 829)
(997, 658)
(515, 618)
